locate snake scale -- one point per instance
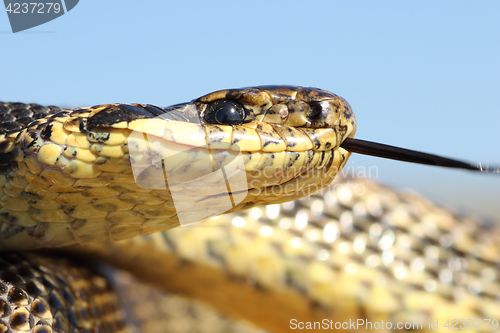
(296, 242)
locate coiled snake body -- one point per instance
(355, 250)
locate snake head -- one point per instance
(233, 149)
(286, 139)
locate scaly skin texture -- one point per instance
(356, 251)
(43, 294)
(69, 179)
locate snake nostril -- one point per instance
(315, 111)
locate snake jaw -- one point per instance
(82, 169)
(290, 134)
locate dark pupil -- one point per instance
(225, 113)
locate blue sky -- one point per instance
(419, 74)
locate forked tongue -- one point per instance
(406, 155)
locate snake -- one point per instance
(232, 199)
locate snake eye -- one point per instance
(224, 112)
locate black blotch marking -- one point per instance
(39, 308)
(97, 149)
(319, 95)
(73, 122)
(100, 137)
(18, 319)
(133, 112)
(35, 140)
(218, 138)
(17, 295)
(328, 145)
(7, 217)
(277, 94)
(101, 160)
(69, 209)
(42, 126)
(347, 113)
(292, 161)
(34, 195)
(343, 130)
(267, 143)
(107, 117)
(82, 126)
(46, 132)
(74, 153)
(310, 155)
(18, 137)
(60, 114)
(77, 112)
(290, 142)
(34, 124)
(13, 230)
(123, 112)
(322, 157)
(315, 141)
(330, 161)
(107, 207)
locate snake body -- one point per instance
(67, 178)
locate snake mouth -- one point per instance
(213, 166)
(285, 147)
